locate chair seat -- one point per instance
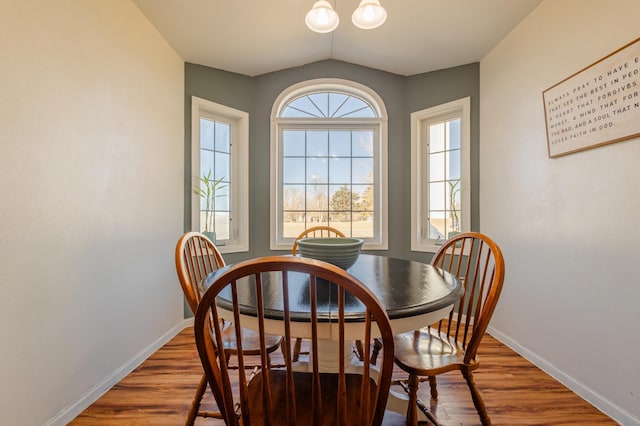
(303, 385)
(426, 352)
(250, 341)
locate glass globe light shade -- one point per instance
(322, 18)
(369, 15)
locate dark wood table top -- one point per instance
(405, 289)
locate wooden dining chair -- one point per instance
(196, 256)
(321, 231)
(452, 344)
(289, 396)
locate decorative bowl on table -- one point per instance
(342, 252)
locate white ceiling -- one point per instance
(254, 37)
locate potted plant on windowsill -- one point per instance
(207, 189)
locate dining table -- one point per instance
(414, 295)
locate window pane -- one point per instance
(454, 134)
(206, 162)
(294, 224)
(222, 225)
(340, 198)
(302, 107)
(222, 198)
(317, 197)
(453, 205)
(437, 196)
(436, 137)
(293, 170)
(222, 137)
(292, 112)
(453, 162)
(317, 218)
(222, 166)
(354, 107)
(436, 167)
(362, 170)
(317, 170)
(362, 225)
(321, 104)
(317, 143)
(206, 134)
(363, 112)
(362, 196)
(215, 165)
(336, 100)
(340, 170)
(339, 143)
(437, 224)
(341, 221)
(293, 197)
(293, 143)
(362, 144)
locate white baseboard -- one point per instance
(71, 412)
(607, 407)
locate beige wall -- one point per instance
(568, 226)
(91, 172)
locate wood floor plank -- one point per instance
(159, 392)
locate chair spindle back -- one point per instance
(477, 262)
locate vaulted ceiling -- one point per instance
(254, 37)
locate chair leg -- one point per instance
(414, 403)
(359, 350)
(412, 407)
(377, 345)
(433, 386)
(195, 405)
(477, 399)
(427, 413)
(296, 349)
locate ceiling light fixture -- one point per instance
(369, 15)
(322, 18)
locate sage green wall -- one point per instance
(401, 95)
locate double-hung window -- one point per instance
(440, 174)
(219, 196)
(328, 162)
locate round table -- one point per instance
(414, 294)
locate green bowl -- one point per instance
(342, 252)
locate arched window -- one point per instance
(329, 162)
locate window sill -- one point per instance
(232, 248)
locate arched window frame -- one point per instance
(379, 124)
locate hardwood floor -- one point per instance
(159, 392)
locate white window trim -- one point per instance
(239, 120)
(419, 170)
(380, 122)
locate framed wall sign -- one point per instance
(596, 106)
